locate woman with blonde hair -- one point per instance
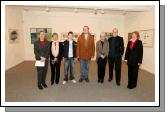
(55, 58)
(102, 49)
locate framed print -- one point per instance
(108, 34)
(34, 33)
(147, 37)
(13, 36)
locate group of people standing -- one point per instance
(69, 51)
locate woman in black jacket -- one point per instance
(133, 57)
(56, 50)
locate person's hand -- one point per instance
(63, 60)
(139, 64)
(55, 59)
(125, 61)
(75, 60)
(102, 56)
(43, 59)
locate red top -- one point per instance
(133, 43)
(42, 43)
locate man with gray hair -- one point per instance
(116, 50)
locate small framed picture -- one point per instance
(13, 36)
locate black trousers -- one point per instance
(101, 67)
(55, 71)
(117, 61)
(41, 73)
(132, 76)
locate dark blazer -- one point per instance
(66, 49)
(134, 55)
(59, 57)
(39, 51)
(119, 46)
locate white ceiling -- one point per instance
(108, 9)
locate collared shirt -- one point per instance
(86, 36)
(70, 52)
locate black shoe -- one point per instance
(109, 79)
(87, 80)
(102, 81)
(40, 87)
(130, 87)
(80, 80)
(52, 82)
(118, 84)
(57, 82)
(44, 85)
(98, 81)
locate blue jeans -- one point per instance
(68, 64)
(84, 68)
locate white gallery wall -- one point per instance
(142, 21)
(69, 21)
(65, 22)
(14, 53)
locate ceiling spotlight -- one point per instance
(25, 8)
(102, 11)
(95, 11)
(47, 9)
(76, 10)
(124, 13)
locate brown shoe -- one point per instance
(40, 87)
(80, 80)
(118, 84)
(87, 80)
(109, 79)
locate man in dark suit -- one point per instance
(41, 51)
(116, 50)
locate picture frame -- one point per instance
(35, 31)
(13, 36)
(64, 36)
(108, 34)
(146, 36)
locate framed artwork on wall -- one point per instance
(94, 35)
(13, 36)
(129, 36)
(108, 34)
(146, 36)
(76, 35)
(34, 33)
(64, 36)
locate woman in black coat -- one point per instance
(133, 58)
(56, 50)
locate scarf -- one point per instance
(133, 43)
(42, 43)
(55, 48)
